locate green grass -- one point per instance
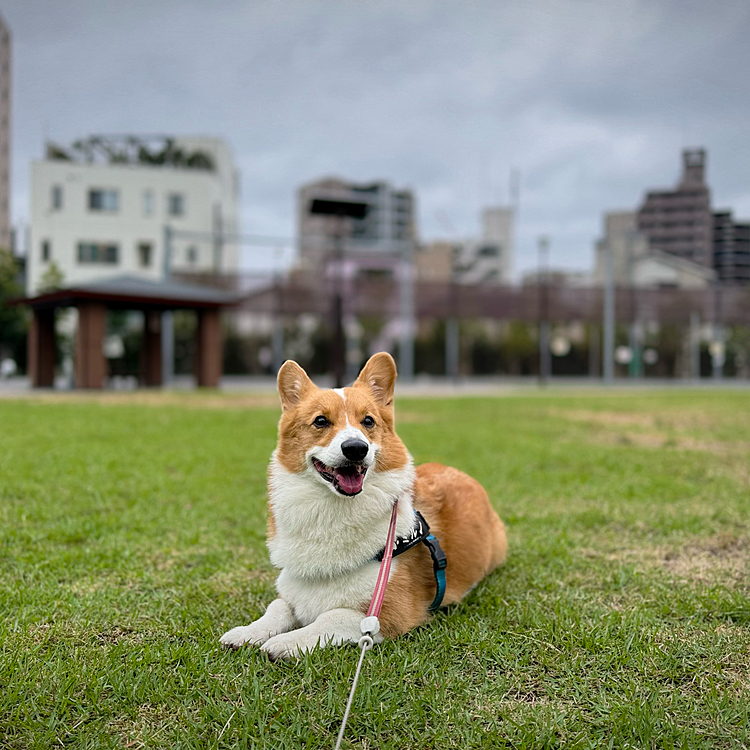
(132, 537)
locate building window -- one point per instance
(57, 197)
(192, 255)
(46, 250)
(176, 204)
(104, 200)
(144, 254)
(97, 252)
(148, 202)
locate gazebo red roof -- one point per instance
(128, 292)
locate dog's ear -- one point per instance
(293, 384)
(379, 375)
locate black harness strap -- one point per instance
(420, 534)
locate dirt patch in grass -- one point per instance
(143, 729)
(665, 441)
(654, 431)
(606, 418)
(723, 558)
(119, 635)
(660, 420)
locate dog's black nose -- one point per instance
(354, 450)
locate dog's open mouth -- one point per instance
(347, 480)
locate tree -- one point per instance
(13, 322)
(52, 279)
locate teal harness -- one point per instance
(420, 534)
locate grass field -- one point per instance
(133, 536)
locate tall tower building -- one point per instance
(731, 248)
(4, 134)
(680, 221)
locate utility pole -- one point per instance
(452, 331)
(545, 356)
(717, 344)
(167, 321)
(452, 348)
(342, 210)
(218, 239)
(695, 346)
(609, 315)
(406, 339)
(339, 343)
(277, 338)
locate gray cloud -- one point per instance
(592, 101)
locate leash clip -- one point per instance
(370, 625)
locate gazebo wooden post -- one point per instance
(208, 349)
(152, 375)
(41, 348)
(91, 366)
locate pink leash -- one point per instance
(385, 567)
(370, 625)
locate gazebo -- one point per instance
(93, 299)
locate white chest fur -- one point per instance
(324, 542)
(310, 597)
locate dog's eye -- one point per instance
(321, 421)
(368, 421)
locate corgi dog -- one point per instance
(332, 482)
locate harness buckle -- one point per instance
(439, 559)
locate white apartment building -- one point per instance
(99, 208)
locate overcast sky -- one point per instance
(591, 101)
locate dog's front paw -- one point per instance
(254, 634)
(290, 645)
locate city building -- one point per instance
(636, 263)
(5, 61)
(100, 208)
(679, 221)
(487, 259)
(386, 226)
(731, 249)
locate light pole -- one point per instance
(167, 321)
(406, 337)
(716, 348)
(342, 210)
(545, 356)
(609, 314)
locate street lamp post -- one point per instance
(609, 314)
(167, 320)
(343, 210)
(545, 356)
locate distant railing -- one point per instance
(311, 293)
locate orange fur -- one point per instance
(459, 514)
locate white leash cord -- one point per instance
(370, 625)
(366, 644)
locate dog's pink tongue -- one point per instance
(350, 480)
